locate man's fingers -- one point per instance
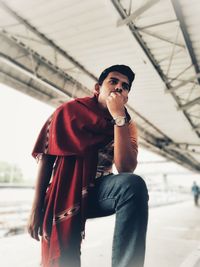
(113, 95)
(40, 231)
(34, 233)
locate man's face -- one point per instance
(114, 82)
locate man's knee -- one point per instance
(133, 184)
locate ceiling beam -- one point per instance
(47, 74)
(191, 79)
(162, 38)
(20, 69)
(189, 104)
(180, 17)
(23, 87)
(47, 40)
(197, 127)
(189, 148)
(157, 24)
(137, 13)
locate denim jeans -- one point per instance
(126, 195)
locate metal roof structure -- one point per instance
(55, 50)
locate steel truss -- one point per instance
(184, 91)
(28, 71)
(188, 98)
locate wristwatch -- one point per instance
(120, 121)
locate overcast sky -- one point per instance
(21, 119)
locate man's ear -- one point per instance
(96, 89)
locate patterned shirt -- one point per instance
(106, 154)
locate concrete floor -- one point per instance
(173, 240)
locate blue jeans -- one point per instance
(126, 195)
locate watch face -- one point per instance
(120, 121)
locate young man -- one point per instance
(76, 149)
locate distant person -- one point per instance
(76, 149)
(196, 193)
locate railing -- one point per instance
(15, 205)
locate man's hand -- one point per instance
(35, 224)
(115, 104)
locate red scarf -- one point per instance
(74, 133)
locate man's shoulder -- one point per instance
(80, 107)
(66, 104)
(75, 102)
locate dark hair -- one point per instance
(123, 69)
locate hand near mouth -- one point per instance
(118, 91)
(115, 104)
